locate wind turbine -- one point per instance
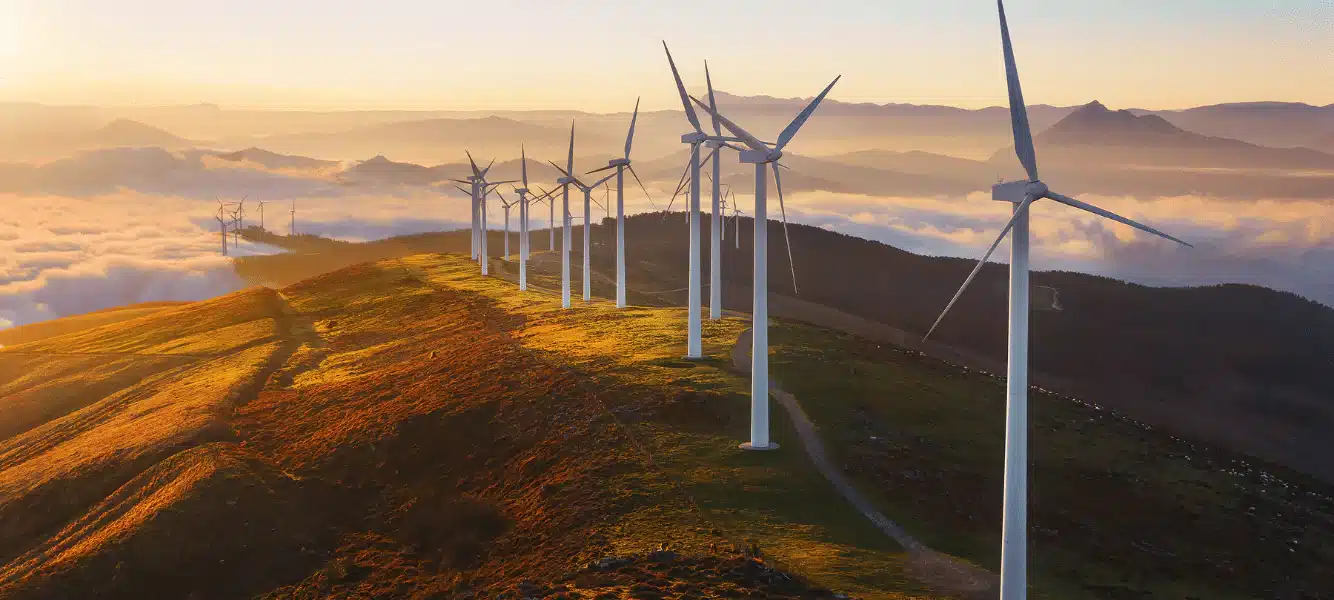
(291, 228)
(621, 164)
(222, 225)
(564, 183)
(1022, 193)
(588, 201)
(261, 214)
(762, 155)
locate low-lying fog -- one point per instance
(86, 249)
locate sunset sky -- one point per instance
(598, 56)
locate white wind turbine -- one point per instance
(621, 164)
(1014, 532)
(291, 227)
(564, 183)
(482, 188)
(588, 208)
(696, 138)
(524, 203)
(762, 156)
(715, 142)
(261, 214)
(222, 224)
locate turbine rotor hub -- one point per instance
(1037, 189)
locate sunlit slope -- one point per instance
(406, 428)
(147, 402)
(45, 329)
(54, 375)
(509, 440)
(211, 505)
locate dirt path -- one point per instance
(937, 570)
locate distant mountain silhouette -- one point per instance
(273, 160)
(124, 132)
(1096, 135)
(382, 170)
(1280, 124)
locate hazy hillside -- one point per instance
(1280, 124)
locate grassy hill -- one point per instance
(1236, 366)
(405, 428)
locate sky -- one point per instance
(599, 56)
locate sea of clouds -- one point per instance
(135, 226)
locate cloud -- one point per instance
(63, 255)
(1282, 244)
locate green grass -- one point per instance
(1117, 510)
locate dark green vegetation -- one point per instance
(1119, 510)
(1237, 366)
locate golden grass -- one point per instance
(65, 325)
(775, 499)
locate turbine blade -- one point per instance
(1068, 201)
(786, 136)
(523, 164)
(1023, 136)
(680, 185)
(602, 181)
(712, 104)
(630, 137)
(598, 170)
(750, 140)
(475, 172)
(641, 187)
(463, 190)
(681, 87)
(787, 241)
(488, 168)
(570, 161)
(461, 181)
(562, 171)
(1023, 206)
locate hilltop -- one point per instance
(408, 428)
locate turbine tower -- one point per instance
(261, 214)
(764, 157)
(1014, 530)
(621, 164)
(291, 228)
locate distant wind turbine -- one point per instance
(564, 183)
(763, 157)
(261, 214)
(588, 202)
(621, 164)
(222, 225)
(291, 228)
(1014, 530)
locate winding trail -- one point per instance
(937, 570)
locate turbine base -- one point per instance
(751, 447)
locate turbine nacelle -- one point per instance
(1010, 191)
(618, 162)
(522, 190)
(756, 157)
(694, 137)
(714, 143)
(565, 181)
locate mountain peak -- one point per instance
(1095, 118)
